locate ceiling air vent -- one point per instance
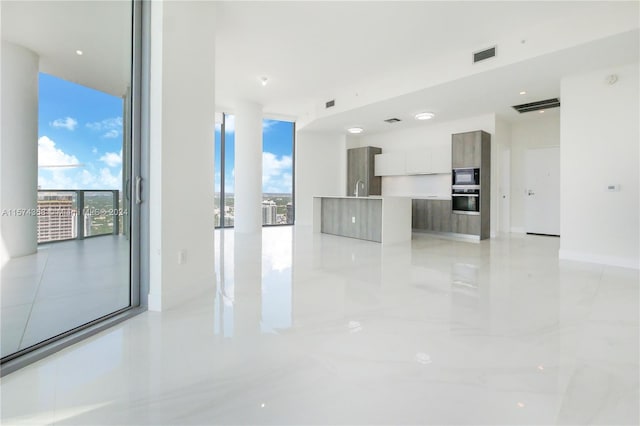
(392, 120)
(330, 103)
(537, 106)
(484, 54)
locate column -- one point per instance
(248, 167)
(19, 151)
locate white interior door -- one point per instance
(505, 191)
(542, 193)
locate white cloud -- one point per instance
(80, 179)
(111, 134)
(55, 179)
(111, 127)
(112, 159)
(65, 123)
(276, 173)
(109, 180)
(50, 156)
(94, 150)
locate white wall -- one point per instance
(600, 146)
(501, 180)
(182, 119)
(536, 131)
(320, 170)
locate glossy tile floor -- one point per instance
(62, 286)
(319, 329)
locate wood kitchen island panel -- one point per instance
(338, 215)
(385, 220)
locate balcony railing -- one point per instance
(76, 214)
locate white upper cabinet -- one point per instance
(419, 162)
(390, 164)
(425, 161)
(441, 159)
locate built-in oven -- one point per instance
(465, 177)
(465, 200)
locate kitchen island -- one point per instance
(386, 220)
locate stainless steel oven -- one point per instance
(465, 177)
(465, 200)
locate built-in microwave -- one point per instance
(465, 177)
(465, 201)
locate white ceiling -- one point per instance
(56, 29)
(314, 51)
(494, 91)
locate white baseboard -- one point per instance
(599, 259)
(518, 230)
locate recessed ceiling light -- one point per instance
(424, 116)
(79, 52)
(355, 130)
(541, 111)
(523, 92)
(264, 80)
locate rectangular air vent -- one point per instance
(330, 103)
(537, 106)
(484, 54)
(392, 120)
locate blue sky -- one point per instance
(80, 141)
(79, 137)
(277, 156)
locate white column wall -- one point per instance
(599, 130)
(19, 147)
(182, 116)
(248, 167)
(321, 164)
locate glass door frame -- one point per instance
(136, 104)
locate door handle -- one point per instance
(530, 192)
(138, 190)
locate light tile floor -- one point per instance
(62, 286)
(318, 329)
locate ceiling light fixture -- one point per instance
(79, 52)
(424, 116)
(523, 92)
(355, 130)
(264, 80)
(541, 111)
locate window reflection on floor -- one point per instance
(253, 279)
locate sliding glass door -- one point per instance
(69, 216)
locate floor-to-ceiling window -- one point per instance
(278, 203)
(68, 238)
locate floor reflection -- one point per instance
(254, 282)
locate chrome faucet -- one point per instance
(356, 192)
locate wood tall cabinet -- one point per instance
(431, 215)
(360, 166)
(473, 150)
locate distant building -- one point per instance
(57, 217)
(289, 213)
(269, 213)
